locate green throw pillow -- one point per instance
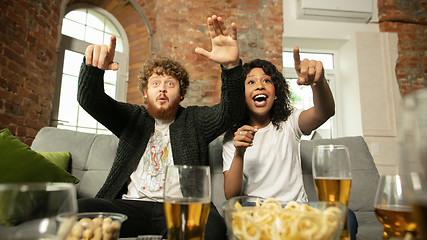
(18, 163)
(60, 159)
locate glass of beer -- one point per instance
(393, 211)
(187, 197)
(413, 155)
(332, 176)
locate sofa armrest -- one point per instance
(91, 155)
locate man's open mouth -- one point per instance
(162, 99)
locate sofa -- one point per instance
(92, 156)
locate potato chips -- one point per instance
(269, 220)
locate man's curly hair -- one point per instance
(163, 66)
(282, 106)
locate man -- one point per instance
(161, 134)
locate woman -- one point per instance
(264, 152)
(270, 132)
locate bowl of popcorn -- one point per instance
(257, 218)
(96, 225)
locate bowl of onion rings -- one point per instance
(257, 218)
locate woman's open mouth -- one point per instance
(260, 100)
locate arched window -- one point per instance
(82, 26)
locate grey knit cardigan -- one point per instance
(190, 134)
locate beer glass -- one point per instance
(32, 210)
(187, 197)
(413, 155)
(392, 210)
(332, 176)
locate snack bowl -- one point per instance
(96, 225)
(257, 218)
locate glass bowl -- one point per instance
(97, 225)
(30, 210)
(257, 218)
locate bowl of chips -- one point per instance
(96, 225)
(257, 218)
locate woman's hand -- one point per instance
(243, 138)
(309, 71)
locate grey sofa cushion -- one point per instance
(364, 172)
(370, 227)
(91, 155)
(217, 177)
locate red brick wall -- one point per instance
(408, 18)
(28, 40)
(181, 27)
(29, 36)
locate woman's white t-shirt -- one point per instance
(272, 166)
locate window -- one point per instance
(81, 27)
(302, 96)
(90, 26)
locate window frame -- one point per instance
(330, 75)
(76, 45)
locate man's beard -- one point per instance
(163, 113)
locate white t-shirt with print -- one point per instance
(148, 179)
(272, 166)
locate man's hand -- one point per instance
(225, 50)
(102, 56)
(309, 71)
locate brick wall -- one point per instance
(177, 31)
(28, 40)
(408, 18)
(29, 36)
(181, 27)
(30, 33)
